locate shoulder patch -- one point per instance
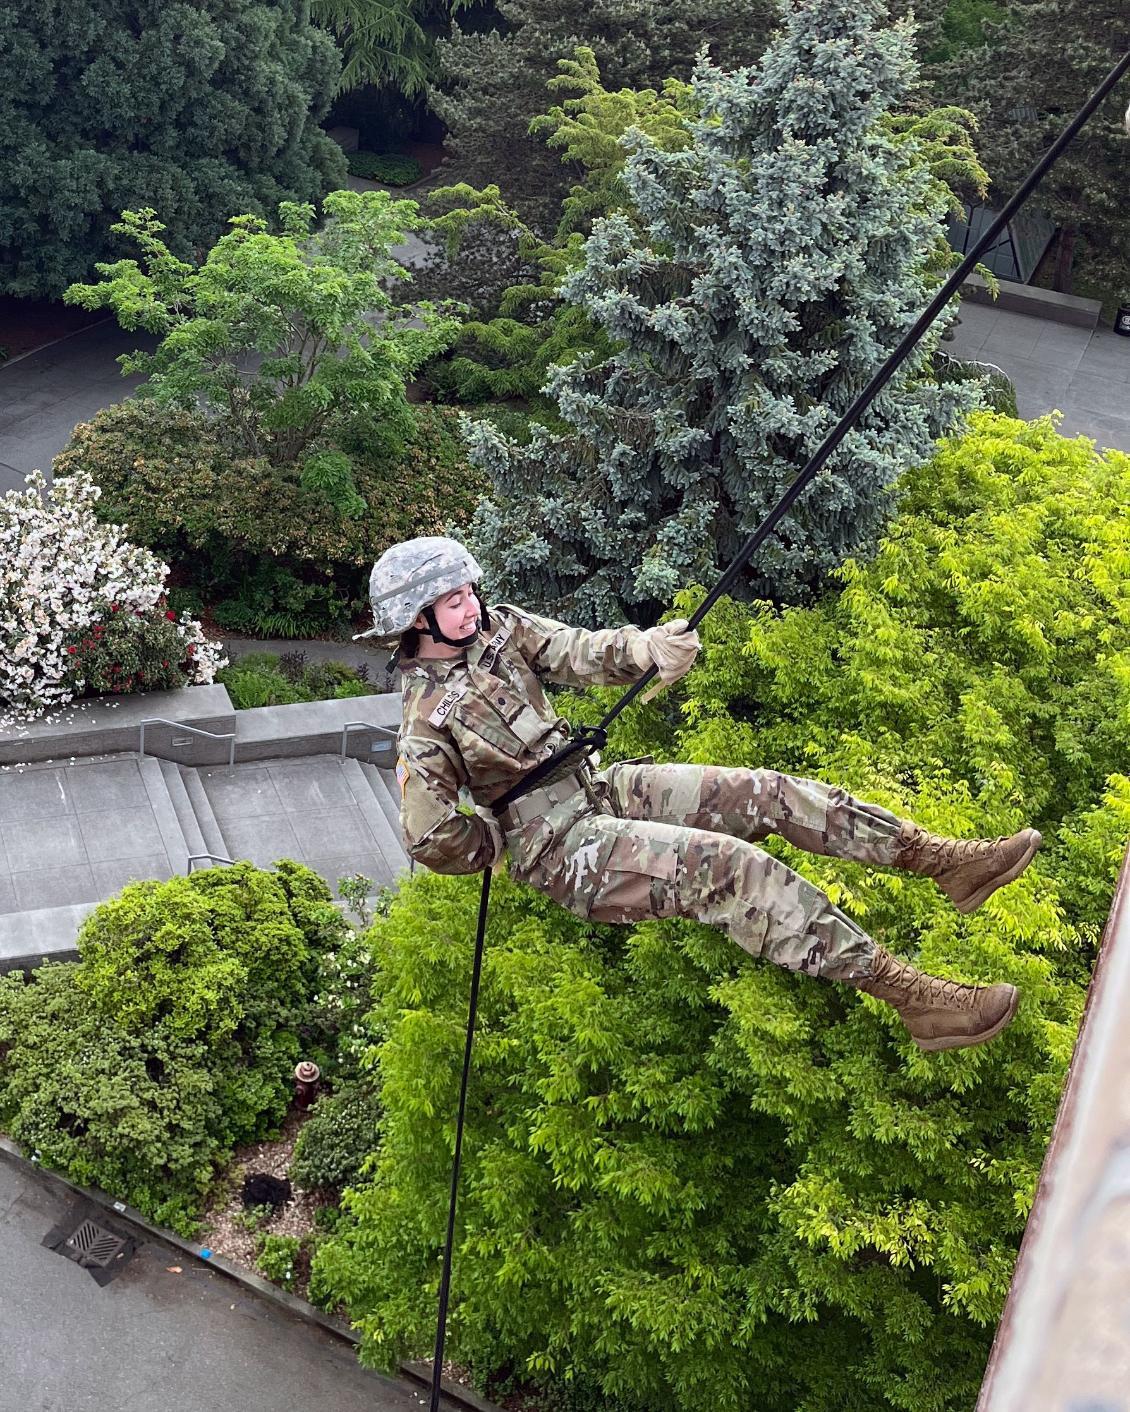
(402, 775)
(447, 705)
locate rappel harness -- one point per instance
(575, 753)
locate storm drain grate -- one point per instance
(91, 1245)
(94, 1247)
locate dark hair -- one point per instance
(409, 645)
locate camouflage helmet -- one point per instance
(410, 576)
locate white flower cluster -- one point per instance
(59, 567)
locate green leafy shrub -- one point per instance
(260, 679)
(390, 167)
(278, 1259)
(342, 1130)
(705, 1183)
(282, 335)
(173, 1039)
(130, 649)
(278, 555)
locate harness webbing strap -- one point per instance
(585, 740)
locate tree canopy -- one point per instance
(751, 287)
(198, 109)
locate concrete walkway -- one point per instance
(44, 395)
(153, 1339)
(1083, 373)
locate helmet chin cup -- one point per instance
(434, 631)
(482, 624)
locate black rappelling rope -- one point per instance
(593, 738)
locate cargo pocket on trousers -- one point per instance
(639, 880)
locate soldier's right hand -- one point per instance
(670, 647)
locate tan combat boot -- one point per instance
(940, 1014)
(967, 871)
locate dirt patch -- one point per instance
(228, 1235)
(28, 324)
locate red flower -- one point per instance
(113, 607)
(72, 649)
(172, 617)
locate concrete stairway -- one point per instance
(334, 814)
(73, 834)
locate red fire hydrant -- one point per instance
(306, 1076)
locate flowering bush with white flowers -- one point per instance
(60, 573)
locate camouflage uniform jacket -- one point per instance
(479, 722)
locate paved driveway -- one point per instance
(45, 395)
(152, 1340)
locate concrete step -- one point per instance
(182, 805)
(392, 859)
(387, 796)
(168, 825)
(28, 939)
(210, 831)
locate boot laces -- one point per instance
(945, 853)
(934, 990)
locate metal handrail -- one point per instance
(212, 857)
(229, 736)
(364, 725)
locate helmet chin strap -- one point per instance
(436, 633)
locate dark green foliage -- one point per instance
(1045, 60)
(343, 1129)
(493, 85)
(271, 601)
(201, 109)
(389, 167)
(279, 556)
(709, 1185)
(173, 1039)
(963, 28)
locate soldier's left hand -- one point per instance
(670, 647)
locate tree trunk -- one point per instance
(1065, 255)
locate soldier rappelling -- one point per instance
(637, 840)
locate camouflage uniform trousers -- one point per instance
(682, 843)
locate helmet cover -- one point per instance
(410, 576)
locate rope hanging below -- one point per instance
(590, 738)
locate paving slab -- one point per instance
(154, 1339)
(1083, 373)
(73, 834)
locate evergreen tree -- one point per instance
(772, 264)
(389, 43)
(510, 355)
(1046, 61)
(493, 85)
(196, 109)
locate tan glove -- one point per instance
(670, 647)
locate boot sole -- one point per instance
(971, 903)
(967, 1041)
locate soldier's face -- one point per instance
(456, 613)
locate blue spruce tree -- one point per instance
(755, 283)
